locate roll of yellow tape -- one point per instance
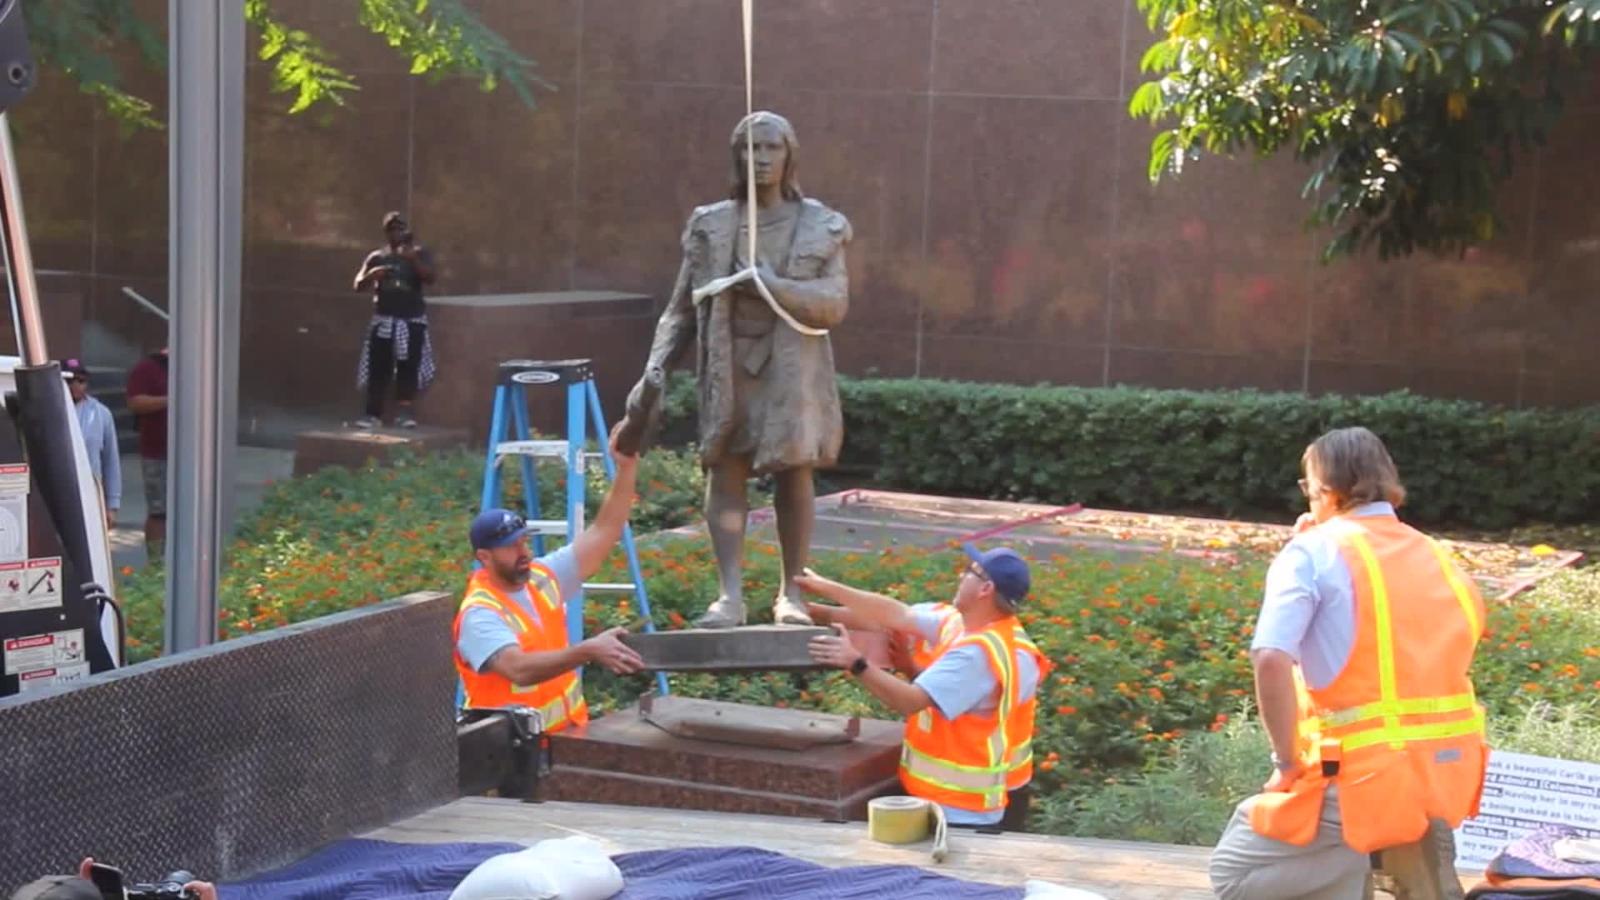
(898, 820)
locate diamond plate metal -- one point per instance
(238, 757)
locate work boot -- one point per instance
(724, 613)
(789, 612)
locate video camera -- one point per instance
(109, 880)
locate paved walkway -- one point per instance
(256, 469)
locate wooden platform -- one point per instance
(1118, 870)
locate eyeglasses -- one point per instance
(976, 571)
(1305, 488)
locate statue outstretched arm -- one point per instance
(675, 334)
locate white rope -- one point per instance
(750, 274)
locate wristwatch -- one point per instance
(1284, 765)
(859, 666)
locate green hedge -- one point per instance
(1222, 452)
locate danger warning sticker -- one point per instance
(55, 650)
(32, 681)
(35, 584)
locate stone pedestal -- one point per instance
(622, 758)
(768, 648)
(353, 448)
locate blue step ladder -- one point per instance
(510, 436)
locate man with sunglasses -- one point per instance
(969, 728)
(511, 645)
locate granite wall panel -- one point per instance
(1005, 226)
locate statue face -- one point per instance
(772, 154)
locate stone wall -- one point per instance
(1005, 227)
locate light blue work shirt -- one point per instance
(1309, 610)
(484, 633)
(99, 431)
(959, 682)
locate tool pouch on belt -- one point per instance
(1291, 816)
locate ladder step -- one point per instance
(609, 586)
(537, 449)
(548, 526)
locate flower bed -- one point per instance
(1146, 652)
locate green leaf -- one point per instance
(1498, 45)
(1146, 100)
(1161, 150)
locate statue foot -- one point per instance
(789, 612)
(724, 613)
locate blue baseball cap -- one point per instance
(1007, 571)
(496, 528)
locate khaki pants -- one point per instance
(1247, 866)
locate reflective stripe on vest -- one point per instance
(1020, 759)
(925, 756)
(1400, 718)
(558, 700)
(1381, 721)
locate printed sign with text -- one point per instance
(1521, 794)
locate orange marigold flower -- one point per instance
(1066, 710)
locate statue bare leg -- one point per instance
(796, 508)
(727, 506)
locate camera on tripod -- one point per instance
(109, 880)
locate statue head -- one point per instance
(776, 154)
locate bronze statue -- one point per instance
(768, 400)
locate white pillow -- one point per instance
(574, 868)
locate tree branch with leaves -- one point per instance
(1411, 112)
(441, 38)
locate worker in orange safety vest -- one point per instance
(510, 633)
(1361, 656)
(969, 713)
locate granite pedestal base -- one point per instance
(621, 758)
(353, 448)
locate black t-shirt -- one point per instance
(398, 291)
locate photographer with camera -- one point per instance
(97, 881)
(396, 347)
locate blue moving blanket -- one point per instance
(365, 870)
